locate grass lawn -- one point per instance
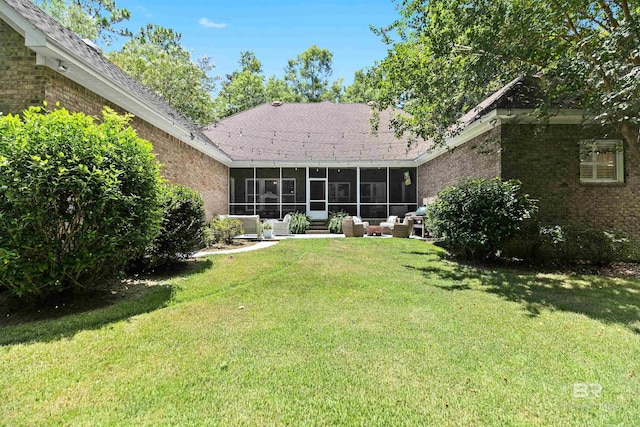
(335, 331)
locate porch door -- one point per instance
(317, 191)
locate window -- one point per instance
(601, 161)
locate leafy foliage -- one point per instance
(242, 89)
(222, 230)
(446, 56)
(306, 79)
(300, 223)
(363, 89)
(156, 58)
(572, 243)
(77, 200)
(478, 216)
(334, 222)
(308, 74)
(183, 225)
(90, 19)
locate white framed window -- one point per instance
(601, 161)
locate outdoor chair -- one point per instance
(357, 220)
(250, 223)
(352, 229)
(281, 228)
(390, 222)
(403, 229)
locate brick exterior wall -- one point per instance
(477, 158)
(22, 83)
(25, 84)
(548, 163)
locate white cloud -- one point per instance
(206, 23)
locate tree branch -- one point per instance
(613, 23)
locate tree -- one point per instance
(242, 89)
(278, 90)
(363, 88)
(308, 74)
(156, 58)
(446, 56)
(90, 19)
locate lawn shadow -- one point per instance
(602, 298)
(117, 302)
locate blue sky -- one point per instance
(275, 30)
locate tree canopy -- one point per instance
(90, 19)
(306, 79)
(243, 88)
(446, 56)
(308, 74)
(156, 58)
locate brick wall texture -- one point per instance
(23, 84)
(478, 158)
(548, 165)
(546, 161)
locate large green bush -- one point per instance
(78, 200)
(183, 224)
(478, 216)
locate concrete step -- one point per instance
(314, 231)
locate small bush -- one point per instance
(183, 225)
(334, 223)
(299, 223)
(78, 200)
(478, 216)
(222, 230)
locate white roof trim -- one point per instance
(49, 53)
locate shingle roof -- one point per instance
(518, 93)
(322, 131)
(92, 57)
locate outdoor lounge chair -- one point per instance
(351, 228)
(390, 222)
(250, 223)
(281, 228)
(403, 229)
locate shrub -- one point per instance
(299, 223)
(222, 230)
(334, 223)
(572, 243)
(78, 200)
(478, 216)
(183, 224)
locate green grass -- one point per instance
(335, 331)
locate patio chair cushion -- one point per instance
(358, 220)
(390, 222)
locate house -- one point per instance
(278, 158)
(42, 61)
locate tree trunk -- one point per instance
(632, 137)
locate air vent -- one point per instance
(276, 103)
